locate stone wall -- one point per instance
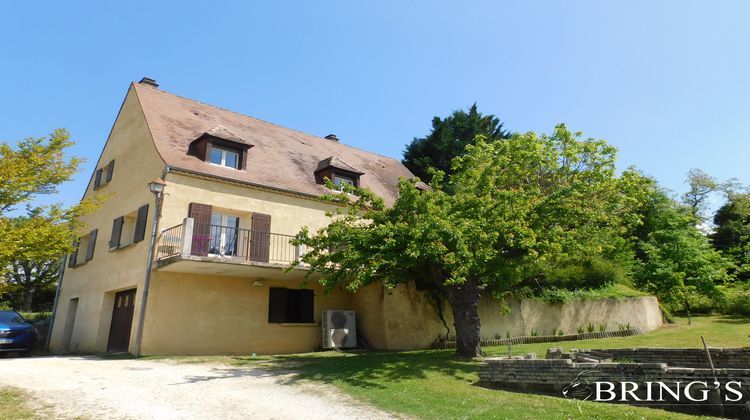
(556, 376)
(696, 358)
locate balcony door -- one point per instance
(224, 234)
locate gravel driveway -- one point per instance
(98, 388)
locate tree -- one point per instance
(702, 186)
(676, 259)
(34, 167)
(731, 236)
(514, 207)
(27, 280)
(448, 139)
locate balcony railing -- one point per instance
(202, 240)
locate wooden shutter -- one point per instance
(74, 255)
(110, 170)
(260, 237)
(201, 214)
(277, 304)
(114, 241)
(140, 224)
(306, 302)
(98, 179)
(92, 244)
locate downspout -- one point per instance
(54, 305)
(158, 198)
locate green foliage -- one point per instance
(736, 300)
(592, 273)
(579, 330)
(448, 139)
(675, 259)
(602, 327)
(36, 166)
(732, 234)
(515, 208)
(534, 333)
(30, 285)
(590, 327)
(608, 291)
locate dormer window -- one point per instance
(338, 172)
(219, 146)
(340, 180)
(225, 157)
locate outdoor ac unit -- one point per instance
(339, 329)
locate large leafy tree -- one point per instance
(31, 168)
(515, 207)
(675, 259)
(28, 284)
(732, 233)
(448, 139)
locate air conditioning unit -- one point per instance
(339, 329)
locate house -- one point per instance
(236, 191)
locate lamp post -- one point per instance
(157, 188)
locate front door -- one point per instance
(122, 320)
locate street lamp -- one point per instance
(157, 188)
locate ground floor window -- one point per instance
(291, 305)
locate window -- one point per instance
(129, 229)
(224, 157)
(103, 176)
(291, 306)
(340, 180)
(224, 229)
(85, 247)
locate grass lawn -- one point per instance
(432, 383)
(14, 404)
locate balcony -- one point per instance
(189, 246)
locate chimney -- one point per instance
(332, 137)
(149, 82)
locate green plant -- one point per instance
(554, 331)
(507, 334)
(602, 327)
(534, 333)
(498, 336)
(580, 329)
(560, 333)
(590, 327)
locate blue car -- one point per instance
(16, 334)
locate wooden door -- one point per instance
(201, 214)
(122, 321)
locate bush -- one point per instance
(736, 300)
(592, 274)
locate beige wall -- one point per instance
(199, 314)
(403, 318)
(94, 283)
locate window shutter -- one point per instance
(277, 305)
(98, 179)
(140, 224)
(110, 170)
(260, 237)
(92, 245)
(114, 241)
(201, 214)
(73, 256)
(306, 301)
(207, 151)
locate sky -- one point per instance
(667, 82)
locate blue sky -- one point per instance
(667, 82)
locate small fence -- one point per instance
(529, 339)
(170, 242)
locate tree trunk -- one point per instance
(464, 300)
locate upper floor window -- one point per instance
(340, 180)
(224, 157)
(103, 175)
(221, 147)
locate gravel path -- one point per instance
(91, 387)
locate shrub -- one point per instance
(534, 333)
(736, 300)
(590, 327)
(560, 333)
(579, 329)
(602, 327)
(554, 331)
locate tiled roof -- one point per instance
(280, 158)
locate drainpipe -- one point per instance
(157, 188)
(54, 305)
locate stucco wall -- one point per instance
(94, 283)
(194, 314)
(410, 321)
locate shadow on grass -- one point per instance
(733, 319)
(370, 370)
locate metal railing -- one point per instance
(231, 242)
(170, 242)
